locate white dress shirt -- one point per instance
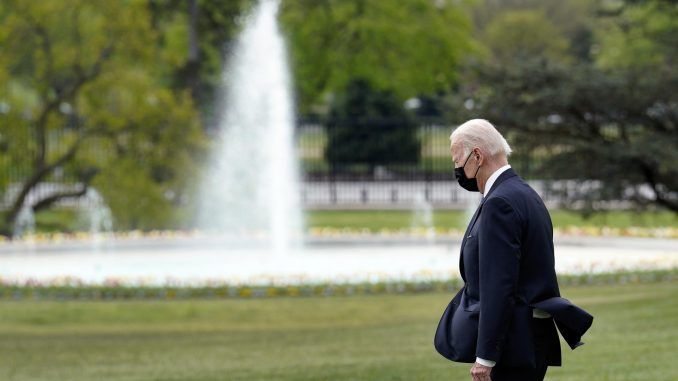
(493, 177)
(536, 312)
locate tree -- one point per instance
(524, 33)
(639, 36)
(81, 93)
(606, 119)
(552, 24)
(368, 126)
(590, 124)
(411, 47)
(194, 37)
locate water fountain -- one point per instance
(24, 226)
(252, 187)
(97, 217)
(422, 217)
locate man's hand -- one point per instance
(480, 372)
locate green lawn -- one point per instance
(377, 219)
(386, 337)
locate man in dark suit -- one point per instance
(502, 318)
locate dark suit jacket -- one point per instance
(507, 265)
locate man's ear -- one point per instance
(478, 154)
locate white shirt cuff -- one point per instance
(484, 362)
(537, 313)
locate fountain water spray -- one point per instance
(422, 216)
(24, 226)
(252, 186)
(98, 218)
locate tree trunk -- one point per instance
(31, 183)
(192, 68)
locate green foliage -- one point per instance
(569, 23)
(411, 46)
(613, 127)
(197, 68)
(644, 36)
(85, 95)
(367, 126)
(522, 34)
(605, 113)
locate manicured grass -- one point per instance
(394, 219)
(385, 337)
(375, 220)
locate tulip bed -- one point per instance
(69, 289)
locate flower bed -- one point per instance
(345, 233)
(72, 289)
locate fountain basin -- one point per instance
(196, 261)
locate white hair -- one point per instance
(482, 134)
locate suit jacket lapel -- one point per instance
(505, 175)
(463, 240)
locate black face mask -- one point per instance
(470, 185)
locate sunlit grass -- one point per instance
(66, 220)
(456, 219)
(384, 337)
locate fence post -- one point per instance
(333, 185)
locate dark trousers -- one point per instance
(541, 341)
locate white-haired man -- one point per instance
(504, 318)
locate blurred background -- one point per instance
(281, 171)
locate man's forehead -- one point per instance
(455, 148)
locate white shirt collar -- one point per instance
(493, 178)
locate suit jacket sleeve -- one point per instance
(499, 239)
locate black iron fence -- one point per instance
(430, 180)
(435, 162)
